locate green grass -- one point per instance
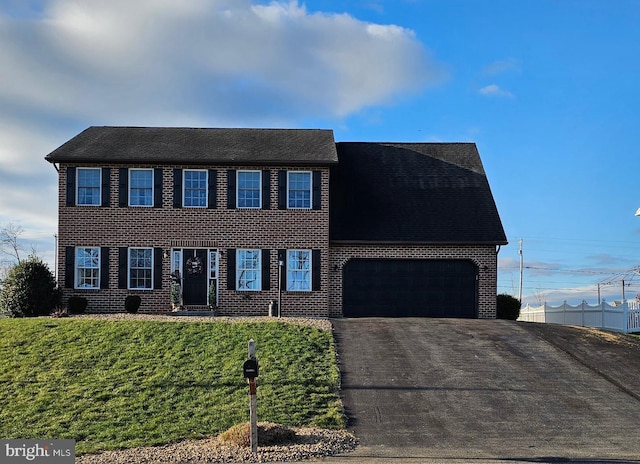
(120, 384)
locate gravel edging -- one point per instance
(309, 443)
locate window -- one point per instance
(140, 268)
(195, 189)
(176, 261)
(249, 188)
(88, 186)
(299, 190)
(140, 187)
(248, 269)
(88, 267)
(213, 264)
(299, 270)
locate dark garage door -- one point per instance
(410, 288)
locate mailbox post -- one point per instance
(250, 372)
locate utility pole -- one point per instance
(521, 267)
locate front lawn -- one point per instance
(120, 384)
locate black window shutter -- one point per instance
(157, 187)
(213, 185)
(266, 265)
(231, 269)
(71, 186)
(266, 189)
(231, 189)
(122, 267)
(157, 268)
(106, 187)
(69, 266)
(177, 188)
(104, 267)
(317, 190)
(315, 270)
(123, 187)
(282, 189)
(282, 256)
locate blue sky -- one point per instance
(546, 88)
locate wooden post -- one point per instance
(253, 415)
(253, 403)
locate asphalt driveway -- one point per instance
(456, 389)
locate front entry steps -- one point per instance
(194, 311)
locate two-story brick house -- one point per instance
(250, 216)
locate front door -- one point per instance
(194, 272)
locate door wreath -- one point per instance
(194, 265)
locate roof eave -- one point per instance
(192, 162)
(419, 243)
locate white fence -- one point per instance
(624, 317)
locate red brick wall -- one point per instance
(223, 228)
(219, 228)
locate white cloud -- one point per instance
(116, 59)
(501, 66)
(494, 90)
(69, 64)
(576, 295)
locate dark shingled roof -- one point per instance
(412, 193)
(173, 145)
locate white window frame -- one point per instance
(259, 173)
(240, 271)
(214, 266)
(78, 171)
(289, 189)
(296, 284)
(130, 187)
(206, 188)
(176, 260)
(79, 271)
(130, 268)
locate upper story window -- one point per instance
(140, 187)
(195, 188)
(248, 270)
(87, 269)
(141, 268)
(299, 189)
(88, 185)
(249, 189)
(299, 270)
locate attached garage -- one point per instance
(414, 232)
(410, 288)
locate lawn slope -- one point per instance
(120, 384)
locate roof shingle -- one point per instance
(198, 146)
(412, 192)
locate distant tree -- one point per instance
(10, 248)
(9, 242)
(29, 290)
(507, 307)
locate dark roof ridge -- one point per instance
(408, 143)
